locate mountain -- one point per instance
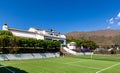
(100, 37)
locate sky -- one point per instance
(61, 15)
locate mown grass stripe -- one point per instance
(83, 66)
(74, 65)
(73, 62)
(107, 68)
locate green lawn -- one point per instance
(80, 64)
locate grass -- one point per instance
(79, 64)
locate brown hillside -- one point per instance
(101, 37)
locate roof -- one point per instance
(51, 36)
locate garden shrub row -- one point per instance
(12, 44)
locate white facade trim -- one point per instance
(36, 33)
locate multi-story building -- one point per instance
(37, 33)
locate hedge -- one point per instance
(11, 44)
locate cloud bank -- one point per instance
(114, 21)
(118, 15)
(111, 21)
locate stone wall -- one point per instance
(28, 56)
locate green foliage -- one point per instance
(30, 42)
(86, 43)
(89, 44)
(78, 42)
(3, 32)
(6, 42)
(12, 44)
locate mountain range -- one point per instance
(100, 37)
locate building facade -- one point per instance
(37, 34)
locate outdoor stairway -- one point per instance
(65, 53)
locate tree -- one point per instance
(89, 44)
(85, 43)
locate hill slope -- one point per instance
(101, 37)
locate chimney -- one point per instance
(4, 27)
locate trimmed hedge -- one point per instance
(12, 44)
(3, 32)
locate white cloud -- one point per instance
(111, 21)
(115, 21)
(118, 15)
(118, 23)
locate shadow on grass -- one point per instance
(9, 69)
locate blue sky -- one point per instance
(62, 15)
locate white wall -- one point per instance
(4, 27)
(76, 53)
(28, 56)
(69, 51)
(28, 35)
(71, 47)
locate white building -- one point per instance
(37, 33)
(71, 45)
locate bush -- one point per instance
(11, 44)
(85, 43)
(3, 32)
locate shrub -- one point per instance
(3, 32)
(12, 44)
